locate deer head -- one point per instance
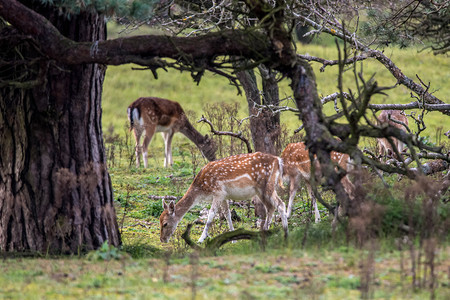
(168, 221)
(398, 119)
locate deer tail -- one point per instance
(280, 172)
(133, 116)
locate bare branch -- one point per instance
(236, 135)
(411, 105)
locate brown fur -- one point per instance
(297, 168)
(384, 147)
(165, 116)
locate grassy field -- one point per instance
(372, 257)
(275, 274)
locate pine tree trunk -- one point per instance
(55, 190)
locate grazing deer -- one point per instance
(152, 115)
(386, 119)
(297, 167)
(237, 177)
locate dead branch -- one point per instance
(412, 105)
(214, 244)
(186, 237)
(232, 134)
(326, 62)
(167, 197)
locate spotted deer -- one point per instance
(297, 169)
(386, 119)
(238, 177)
(152, 115)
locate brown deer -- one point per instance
(237, 177)
(386, 119)
(297, 167)
(152, 115)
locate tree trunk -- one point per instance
(55, 191)
(264, 126)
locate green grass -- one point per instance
(280, 274)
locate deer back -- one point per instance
(296, 160)
(259, 170)
(385, 119)
(156, 111)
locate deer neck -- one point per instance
(185, 203)
(191, 133)
(203, 143)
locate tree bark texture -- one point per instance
(55, 191)
(264, 126)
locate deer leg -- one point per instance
(212, 212)
(382, 147)
(281, 207)
(293, 187)
(149, 132)
(167, 136)
(348, 187)
(270, 209)
(226, 210)
(137, 148)
(314, 202)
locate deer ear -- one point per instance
(171, 207)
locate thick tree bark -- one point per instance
(55, 191)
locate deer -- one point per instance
(297, 169)
(238, 177)
(152, 114)
(398, 119)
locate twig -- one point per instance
(236, 135)
(167, 197)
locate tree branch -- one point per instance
(141, 50)
(412, 105)
(236, 135)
